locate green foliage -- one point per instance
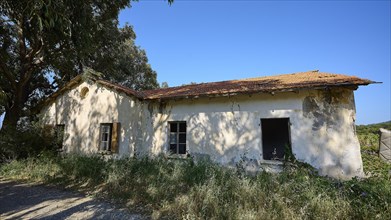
(368, 136)
(128, 66)
(188, 190)
(29, 140)
(45, 43)
(40, 168)
(370, 140)
(372, 128)
(169, 188)
(373, 165)
(164, 85)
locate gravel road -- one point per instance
(26, 201)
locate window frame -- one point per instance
(178, 138)
(110, 134)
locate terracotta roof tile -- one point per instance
(286, 82)
(268, 84)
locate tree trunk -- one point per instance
(14, 112)
(12, 141)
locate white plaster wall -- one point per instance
(82, 118)
(223, 129)
(226, 129)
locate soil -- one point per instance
(29, 201)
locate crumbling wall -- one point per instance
(227, 130)
(335, 149)
(224, 129)
(81, 117)
(385, 145)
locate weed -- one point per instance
(203, 190)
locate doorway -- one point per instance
(275, 138)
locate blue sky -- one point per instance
(204, 41)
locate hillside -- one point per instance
(372, 128)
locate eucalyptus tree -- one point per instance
(45, 43)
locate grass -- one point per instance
(368, 136)
(181, 189)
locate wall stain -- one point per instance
(323, 109)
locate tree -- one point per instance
(44, 39)
(164, 85)
(128, 66)
(191, 83)
(38, 37)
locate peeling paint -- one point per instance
(321, 131)
(225, 130)
(82, 118)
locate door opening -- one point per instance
(275, 138)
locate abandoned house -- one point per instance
(310, 115)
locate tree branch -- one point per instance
(7, 73)
(36, 50)
(21, 40)
(34, 62)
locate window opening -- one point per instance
(59, 136)
(275, 138)
(105, 136)
(177, 137)
(84, 92)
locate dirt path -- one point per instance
(25, 201)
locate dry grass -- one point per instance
(182, 189)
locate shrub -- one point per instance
(83, 169)
(184, 189)
(28, 140)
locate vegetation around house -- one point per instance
(372, 128)
(368, 136)
(44, 44)
(183, 189)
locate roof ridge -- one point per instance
(236, 80)
(263, 84)
(313, 79)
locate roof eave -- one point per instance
(353, 86)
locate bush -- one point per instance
(183, 189)
(368, 136)
(373, 128)
(369, 140)
(28, 140)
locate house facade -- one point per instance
(258, 121)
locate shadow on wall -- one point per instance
(226, 138)
(335, 149)
(82, 117)
(153, 129)
(128, 111)
(325, 126)
(222, 136)
(323, 133)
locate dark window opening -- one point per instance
(177, 137)
(105, 136)
(275, 138)
(59, 136)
